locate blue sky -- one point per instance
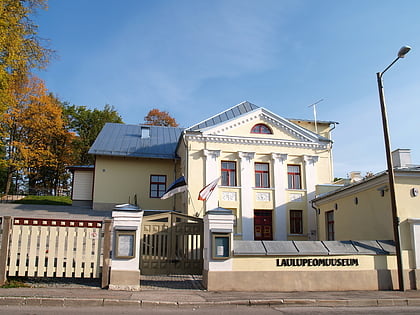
(197, 58)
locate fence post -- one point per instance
(4, 250)
(106, 253)
(217, 251)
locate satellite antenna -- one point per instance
(314, 106)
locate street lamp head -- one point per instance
(403, 51)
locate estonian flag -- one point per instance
(207, 190)
(177, 186)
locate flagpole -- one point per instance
(314, 106)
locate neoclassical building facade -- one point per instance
(268, 168)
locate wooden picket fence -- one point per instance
(33, 247)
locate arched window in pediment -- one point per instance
(261, 128)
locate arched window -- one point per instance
(261, 128)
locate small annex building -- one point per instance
(362, 210)
(266, 168)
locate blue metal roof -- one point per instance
(126, 140)
(233, 112)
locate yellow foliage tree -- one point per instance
(21, 50)
(37, 141)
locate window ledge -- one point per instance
(229, 186)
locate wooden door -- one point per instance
(263, 225)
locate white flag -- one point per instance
(207, 190)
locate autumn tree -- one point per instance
(21, 50)
(156, 117)
(37, 142)
(86, 124)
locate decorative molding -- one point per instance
(278, 121)
(262, 196)
(235, 123)
(256, 141)
(246, 155)
(211, 153)
(310, 159)
(281, 157)
(229, 196)
(281, 125)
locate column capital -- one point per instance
(281, 157)
(211, 153)
(246, 155)
(310, 159)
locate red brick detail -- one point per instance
(57, 222)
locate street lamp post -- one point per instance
(396, 220)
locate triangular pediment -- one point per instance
(239, 120)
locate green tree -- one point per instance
(21, 49)
(156, 117)
(86, 124)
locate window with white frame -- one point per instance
(294, 177)
(262, 178)
(228, 173)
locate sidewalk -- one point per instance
(185, 292)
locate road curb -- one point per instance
(68, 301)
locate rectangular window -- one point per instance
(228, 173)
(296, 222)
(329, 218)
(262, 178)
(157, 185)
(293, 175)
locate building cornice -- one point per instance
(352, 189)
(256, 141)
(363, 185)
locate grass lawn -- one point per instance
(45, 200)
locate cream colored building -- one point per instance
(268, 167)
(362, 210)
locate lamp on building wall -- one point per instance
(396, 220)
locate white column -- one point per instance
(310, 179)
(247, 178)
(212, 172)
(280, 186)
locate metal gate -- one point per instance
(171, 243)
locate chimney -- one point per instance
(401, 158)
(355, 176)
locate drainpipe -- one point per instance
(317, 219)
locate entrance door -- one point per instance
(263, 225)
(171, 244)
